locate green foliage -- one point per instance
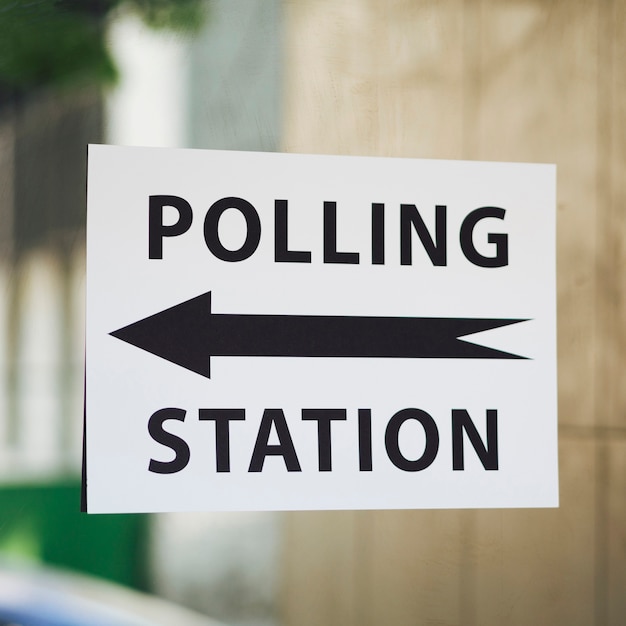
(42, 42)
(63, 42)
(182, 15)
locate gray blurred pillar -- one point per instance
(43, 139)
(235, 89)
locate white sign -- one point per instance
(283, 332)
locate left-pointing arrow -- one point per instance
(188, 334)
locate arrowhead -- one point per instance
(176, 334)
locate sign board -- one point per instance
(283, 332)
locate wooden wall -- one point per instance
(514, 80)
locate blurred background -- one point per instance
(505, 80)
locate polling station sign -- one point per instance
(282, 332)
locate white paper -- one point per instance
(126, 385)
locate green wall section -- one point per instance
(43, 523)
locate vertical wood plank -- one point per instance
(618, 184)
(329, 104)
(537, 566)
(320, 568)
(616, 532)
(358, 83)
(412, 569)
(612, 348)
(385, 78)
(417, 69)
(612, 219)
(538, 103)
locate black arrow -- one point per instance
(188, 334)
